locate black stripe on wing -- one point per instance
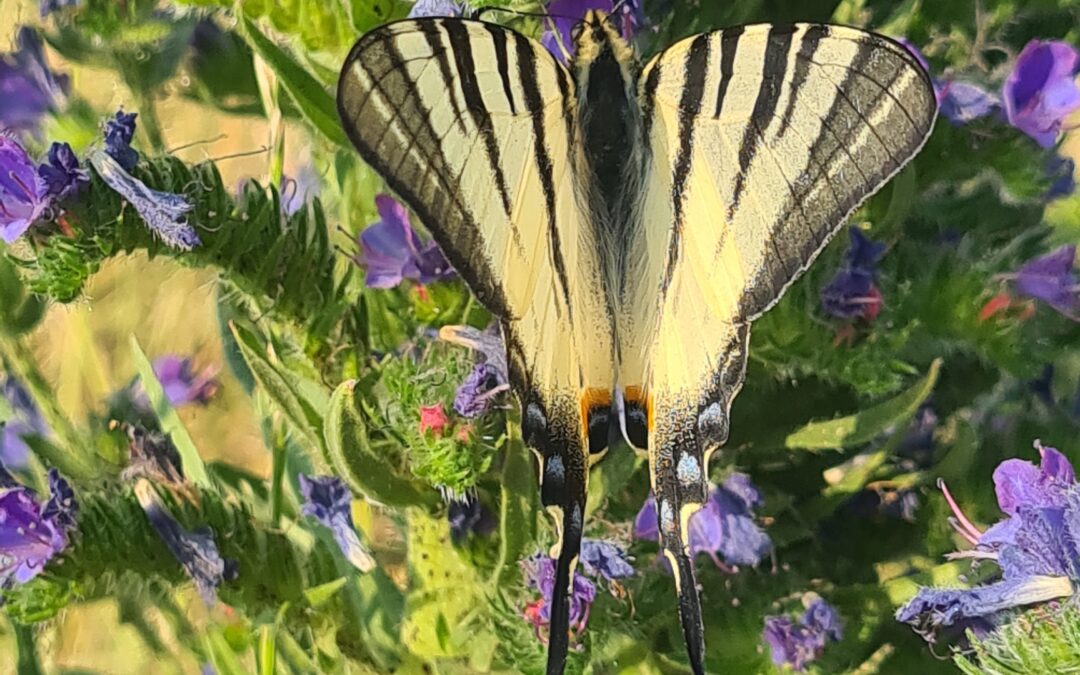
(772, 82)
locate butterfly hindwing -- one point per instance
(761, 141)
(472, 125)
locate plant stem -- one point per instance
(28, 659)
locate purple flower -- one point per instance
(390, 251)
(723, 529)
(605, 559)
(163, 212)
(958, 101)
(797, 644)
(195, 550)
(28, 89)
(1050, 278)
(469, 516)
(422, 8)
(1041, 91)
(564, 14)
(31, 533)
(62, 174)
(23, 194)
(328, 500)
(477, 393)
(297, 192)
(961, 102)
(539, 573)
(852, 291)
(1062, 170)
(182, 386)
(119, 131)
(25, 421)
(1036, 546)
(50, 6)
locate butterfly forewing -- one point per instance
(472, 125)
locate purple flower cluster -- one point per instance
(119, 132)
(23, 193)
(489, 378)
(796, 644)
(181, 384)
(25, 420)
(32, 532)
(958, 101)
(1036, 546)
(853, 292)
(1050, 279)
(469, 516)
(724, 529)
(328, 500)
(422, 8)
(600, 560)
(391, 251)
(196, 551)
(28, 89)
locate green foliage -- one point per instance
(1039, 641)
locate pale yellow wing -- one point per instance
(472, 125)
(761, 141)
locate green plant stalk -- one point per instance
(28, 658)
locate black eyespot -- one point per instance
(599, 423)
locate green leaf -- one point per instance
(351, 455)
(861, 427)
(171, 425)
(318, 595)
(382, 609)
(267, 649)
(222, 655)
(281, 386)
(315, 103)
(517, 519)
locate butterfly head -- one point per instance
(598, 34)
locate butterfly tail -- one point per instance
(689, 606)
(569, 548)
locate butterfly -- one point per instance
(626, 222)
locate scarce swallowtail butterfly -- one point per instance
(626, 222)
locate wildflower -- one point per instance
(958, 101)
(489, 377)
(601, 560)
(433, 418)
(1062, 171)
(797, 644)
(1035, 547)
(181, 385)
(853, 291)
(50, 6)
(195, 550)
(25, 421)
(723, 528)
(422, 8)
(1041, 91)
(297, 192)
(62, 174)
(564, 14)
(328, 500)
(1050, 278)
(390, 251)
(23, 194)
(161, 211)
(119, 131)
(28, 89)
(32, 533)
(469, 516)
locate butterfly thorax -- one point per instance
(605, 69)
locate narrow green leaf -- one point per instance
(845, 432)
(516, 509)
(267, 649)
(318, 595)
(191, 462)
(280, 387)
(315, 103)
(222, 656)
(353, 458)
